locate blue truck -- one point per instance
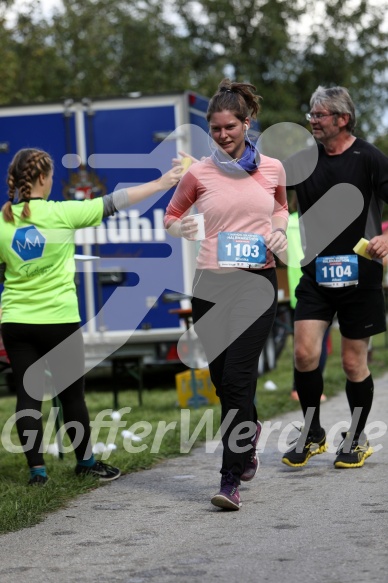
(130, 273)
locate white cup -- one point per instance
(199, 219)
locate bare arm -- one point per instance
(277, 241)
(165, 182)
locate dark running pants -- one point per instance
(237, 327)
(26, 344)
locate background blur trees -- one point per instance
(102, 48)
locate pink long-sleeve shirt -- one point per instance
(247, 204)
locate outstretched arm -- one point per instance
(138, 193)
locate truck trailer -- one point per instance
(131, 275)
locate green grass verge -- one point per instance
(22, 506)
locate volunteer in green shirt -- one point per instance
(39, 300)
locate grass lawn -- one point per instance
(22, 506)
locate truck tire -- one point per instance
(261, 365)
(282, 328)
(267, 360)
(270, 353)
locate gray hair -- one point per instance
(335, 99)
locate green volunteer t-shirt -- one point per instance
(295, 255)
(39, 285)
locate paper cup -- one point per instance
(200, 234)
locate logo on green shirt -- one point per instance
(28, 243)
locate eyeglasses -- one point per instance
(312, 115)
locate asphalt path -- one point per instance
(316, 524)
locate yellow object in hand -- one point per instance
(360, 248)
(186, 162)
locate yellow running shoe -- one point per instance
(305, 448)
(353, 456)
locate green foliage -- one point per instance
(102, 48)
(381, 142)
(94, 48)
(246, 40)
(348, 46)
(343, 43)
(113, 48)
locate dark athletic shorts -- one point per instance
(360, 312)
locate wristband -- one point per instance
(281, 230)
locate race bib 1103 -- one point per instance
(241, 250)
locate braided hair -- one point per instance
(23, 172)
(238, 98)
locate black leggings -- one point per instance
(239, 324)
(27, 344)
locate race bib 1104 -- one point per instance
(337, 271)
